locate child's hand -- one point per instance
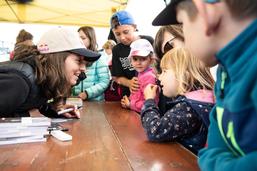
(133, 84)
(150, 91)
(83, 95)
(125, 103)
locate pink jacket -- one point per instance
(137, 98)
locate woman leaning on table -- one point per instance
(44, 73)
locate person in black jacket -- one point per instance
(44, 73)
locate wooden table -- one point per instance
(106, 138)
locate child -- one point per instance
(108, 46)
(166, 38)
(185, 79)
(125, 30)
(141, 55)
(93, 86)
(224, 32)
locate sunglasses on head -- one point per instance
(168, 45)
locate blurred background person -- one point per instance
(107, 47)
(92, 88)
(23, 38)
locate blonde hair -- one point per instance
(109, 44)
(190, 72)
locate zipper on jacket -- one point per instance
(222, 86)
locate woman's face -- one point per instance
(170, 41)
(84, 38)
(169, 82)
(74, 66)
(125, 34)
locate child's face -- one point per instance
(196, 38)
(125, 34)
(169, 82)
(74, 65)
(140, 63)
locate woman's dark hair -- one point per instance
(175, 30)
(23, 51)
(49, 72)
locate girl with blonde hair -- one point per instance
(185, 79)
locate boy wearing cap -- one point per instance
(142, 57)
(46, 72)
(224, 32)
(124, 28)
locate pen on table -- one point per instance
(54, 128)
(67, 110)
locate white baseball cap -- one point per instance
(140, 47)
(61, 40)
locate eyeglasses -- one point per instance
(169, 45)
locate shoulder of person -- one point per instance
(20, 68)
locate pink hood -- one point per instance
(201, 95)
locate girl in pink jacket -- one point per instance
(141, 57)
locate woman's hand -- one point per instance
(75, 113)
(125, 103)
(150, 91)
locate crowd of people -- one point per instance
(166, 80)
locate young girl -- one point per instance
(107, 47)
(43, 73)
(92, 88)
(142, 58)
(185, 79)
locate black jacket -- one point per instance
(19, 92)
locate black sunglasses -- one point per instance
(168, 45)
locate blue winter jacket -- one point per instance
(97, 80)
(232, 137)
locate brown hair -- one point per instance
(242, 8)
(49, 72)
(23, 36)
(23, 51)
(175, 30)
(238, 8)
(90, 33)
(190, 72)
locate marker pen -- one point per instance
(67, 110)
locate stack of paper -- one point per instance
(74, 101)
(23, 130)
